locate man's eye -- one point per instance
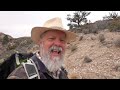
(63, 40)
(51, 38)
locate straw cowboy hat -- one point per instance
(52, 24)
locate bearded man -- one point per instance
(52, 39)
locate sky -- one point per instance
(19, 23)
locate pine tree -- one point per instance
(77, 19)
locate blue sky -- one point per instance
(19, 23)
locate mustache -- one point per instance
(56, 48)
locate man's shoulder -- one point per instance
(18, 73)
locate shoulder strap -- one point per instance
(35, 60)
(31, 69)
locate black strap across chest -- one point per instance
(43, 72)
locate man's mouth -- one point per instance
(56, 50)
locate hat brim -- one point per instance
(37, 31)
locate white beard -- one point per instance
(52, 65)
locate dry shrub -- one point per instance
(5, 40)
(114, 26)
(80, 38)
(73, 48)
(102, 24)
(93, 38)
(117, 67)
(95, 31)
(101, 38)
(117, 42)
(11, 46)
(87, 59)
(85, 31)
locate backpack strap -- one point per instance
(31, 69)
(17, 58)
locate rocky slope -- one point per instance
(22, 45)
(89, 58)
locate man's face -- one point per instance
(52, 48)
(54, 42)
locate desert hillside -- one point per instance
(94, 56)
(91, 56)
(9, 45)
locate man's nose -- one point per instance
(57, 42)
